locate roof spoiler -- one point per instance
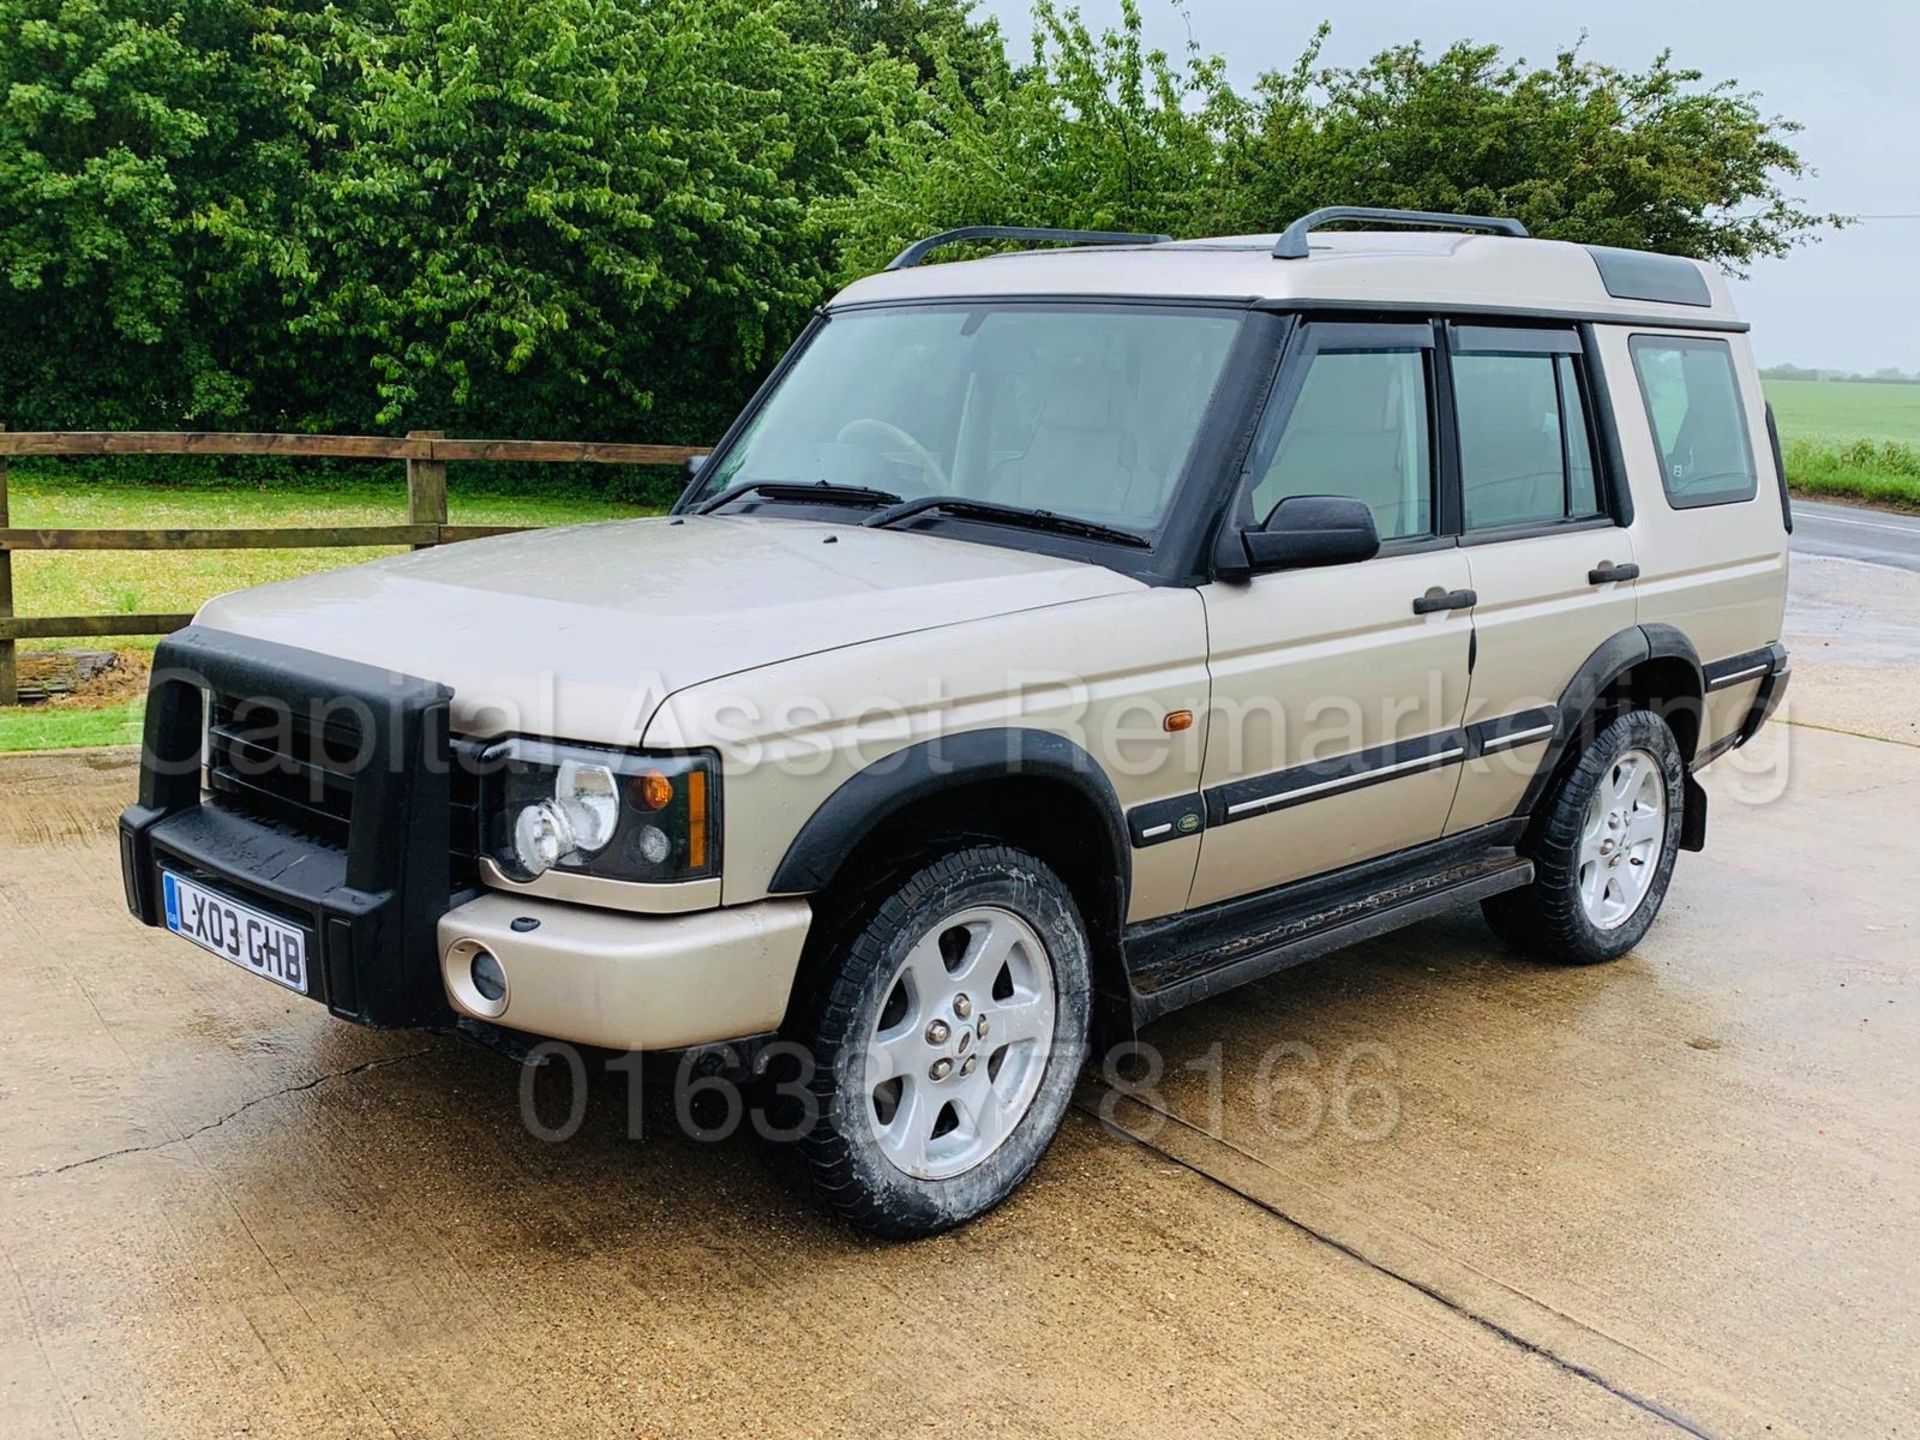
(920, 249)
(1293, 244)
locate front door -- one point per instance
(1334, 736)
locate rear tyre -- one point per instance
(945, 1042)
(1604, 856)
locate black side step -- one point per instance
(1189, 958)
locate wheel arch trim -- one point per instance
(1616, 656)
(937, 766)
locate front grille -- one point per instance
(465, 843)
(268, 761)
(273, 762)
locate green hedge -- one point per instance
(1883, 471)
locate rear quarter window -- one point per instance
(1692, 394)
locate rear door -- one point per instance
(1541, 532)
(1333, 735)
(1710, 531)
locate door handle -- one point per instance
(1451, 600)
(1607, 574)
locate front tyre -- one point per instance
(946, 1042)
(1604, 856)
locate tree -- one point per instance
(920, 31)
(557, 216)
(588, 216)
(1653, 160)
(137, 152)
(1100, 131)
(1097, 132)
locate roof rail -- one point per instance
(1293, 244)
(920, 249)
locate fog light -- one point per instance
(488, 978)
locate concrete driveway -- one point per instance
(1419, 1188)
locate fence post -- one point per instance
(9, 670)
(426, 484)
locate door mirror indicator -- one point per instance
(1302, 531)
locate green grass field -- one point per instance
(1833, 412)
(40, 727)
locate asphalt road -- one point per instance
(1853, 532)
(1420, 1188)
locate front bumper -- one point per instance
(365, 869)
(622, 981)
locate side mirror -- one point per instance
(693, 465)
(1302, 531)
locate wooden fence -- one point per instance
(425, 453)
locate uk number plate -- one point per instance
(250, 939)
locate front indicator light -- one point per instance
(697, 819)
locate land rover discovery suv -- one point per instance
(1058, 638)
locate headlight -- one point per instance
(605, 813)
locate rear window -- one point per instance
(1692, 394)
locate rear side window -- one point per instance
(1526, 447)
(1692, 393)
(1361, 430)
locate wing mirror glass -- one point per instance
(1303, 531)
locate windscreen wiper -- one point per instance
(820, 492)
(995, 513)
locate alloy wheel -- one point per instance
(1621, 840)
(960, 1043)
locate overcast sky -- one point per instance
(1843, 69)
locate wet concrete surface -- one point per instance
(1420, 1188)
(1854, 631)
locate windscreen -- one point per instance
(1086, 411)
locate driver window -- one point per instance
(1360, 430)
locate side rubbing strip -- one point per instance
(1343, 782)
(1506, 732)
(1517, 737)
(1263, 794)
(1738, 669)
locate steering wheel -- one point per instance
(918, 452)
